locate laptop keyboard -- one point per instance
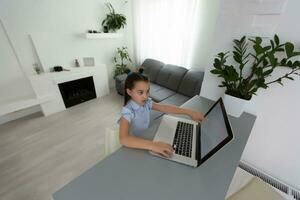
(183, 139)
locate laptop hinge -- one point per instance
(198, 143)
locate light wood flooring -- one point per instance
(39, 155)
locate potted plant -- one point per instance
(262, 60)
(37, 69)
(113, 21)
(121, 60)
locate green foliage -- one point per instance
(263, 62)
(113, 21)
(121, 61)
(37, 69)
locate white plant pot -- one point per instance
(234, 106)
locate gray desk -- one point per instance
(130, 174)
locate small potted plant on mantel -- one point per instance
(113, 20)
(262, 60)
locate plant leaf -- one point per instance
(296, 53)
(267, 48)
(272, 59)
(276, 39)
(266, 73)
(289, 48)
(272, 44)
(288, 77)
(237, 58)
(265, 62)
(283, 61)
(258, 40)
(217, 63)
(289, 64)
(296, 63)
(215, 71)
(258, 49)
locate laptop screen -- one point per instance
(215, 131)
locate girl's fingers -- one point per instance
(165, 149)
(169, 147)
(165, 145)
(199, 116)
(168, 151)
(165, 154)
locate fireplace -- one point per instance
(77, 91)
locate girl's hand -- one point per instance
(197, 116)
(163, 149)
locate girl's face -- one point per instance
(140, 92)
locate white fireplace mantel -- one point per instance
(47, 91)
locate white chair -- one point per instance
(245, 186)
(111, 139)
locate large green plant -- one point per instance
(262, 60)
(113, 21)
(121, 60)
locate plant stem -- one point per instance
(286, 75)
(260, 60)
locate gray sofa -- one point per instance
(169, 84)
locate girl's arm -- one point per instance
(128, 140)
(166, 108)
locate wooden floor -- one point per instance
(39, 155)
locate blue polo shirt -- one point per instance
(138, 116)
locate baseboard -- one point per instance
(18, 114)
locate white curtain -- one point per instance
(165, 30)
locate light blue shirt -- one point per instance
(138, 116)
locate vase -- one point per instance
(105, 29)
(234, 106)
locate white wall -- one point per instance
(207, 18)
(13, 82)
(274, 143)
(57, 28)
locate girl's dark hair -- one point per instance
(130, 81)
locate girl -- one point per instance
(135, 115)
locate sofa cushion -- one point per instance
(151, 68)
(191, 83)
(161, 94)
(176, 99)
(154, 87)
(170, 76)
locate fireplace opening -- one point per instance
(77, 91)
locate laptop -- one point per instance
(195, 142)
